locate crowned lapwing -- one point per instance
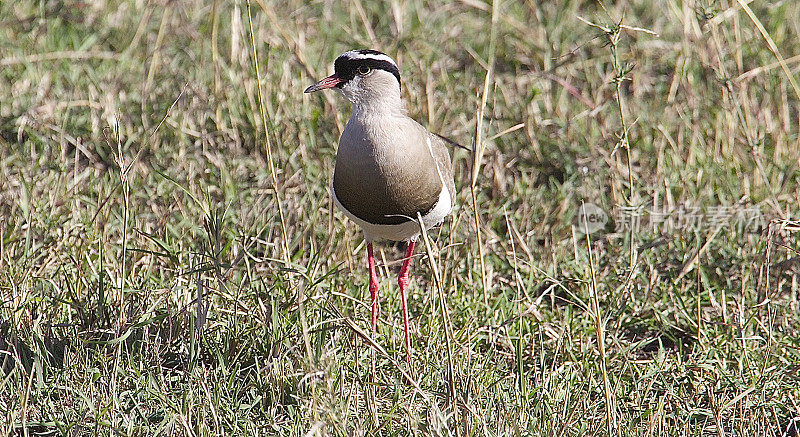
(388, 167)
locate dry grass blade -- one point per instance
(478, 148)
(693, 260)
(599, 326)
(772, 46)
(448, 330)
(277, 192)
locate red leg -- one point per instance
(373, 291)
(402, 280)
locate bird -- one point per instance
(388, 168)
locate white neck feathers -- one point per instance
(378, 105)
(375, 95)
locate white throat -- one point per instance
(377, 95)
(377, 107)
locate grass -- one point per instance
(150, 284)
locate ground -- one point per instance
(171, 262)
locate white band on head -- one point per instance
(355, 54)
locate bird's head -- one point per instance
(367, 78)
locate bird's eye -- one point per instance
(364, 70)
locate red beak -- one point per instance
(329, 82)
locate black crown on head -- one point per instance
(346, 66)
